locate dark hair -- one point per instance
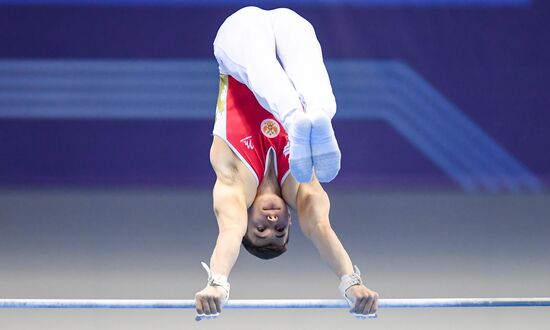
(265, 252)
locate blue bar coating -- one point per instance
(274, 303)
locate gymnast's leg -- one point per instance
(245, 49)
(301, 56)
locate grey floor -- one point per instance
(149, 244)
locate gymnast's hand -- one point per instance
(209, 301)
(364, 302)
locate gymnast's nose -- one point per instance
(272, 217)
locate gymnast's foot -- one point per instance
(325, 151)
(301, 164)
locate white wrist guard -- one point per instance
(347, 281)
(217, 280)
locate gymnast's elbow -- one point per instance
(231, 231)
(230, 210)
(318, 230)
(313, 206)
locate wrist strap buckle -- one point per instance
(217, 280)
(347, 281)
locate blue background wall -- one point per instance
(484, 61)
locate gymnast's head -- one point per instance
(268, 227)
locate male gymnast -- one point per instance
(273, 118)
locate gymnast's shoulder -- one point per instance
(228, 167)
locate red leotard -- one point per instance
(250, 130)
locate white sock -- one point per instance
(324, 148)
(299, 131)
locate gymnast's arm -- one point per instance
(230, 210)
(233, 192)
(313, 205)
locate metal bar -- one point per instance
(274, 303)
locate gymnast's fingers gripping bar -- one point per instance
(274, 303)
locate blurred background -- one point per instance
(106, 111)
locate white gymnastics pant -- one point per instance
(277, 55)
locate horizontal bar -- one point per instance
(274, 303)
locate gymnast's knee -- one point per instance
(326, 107)
(294, 21)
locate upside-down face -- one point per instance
(268, 221)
